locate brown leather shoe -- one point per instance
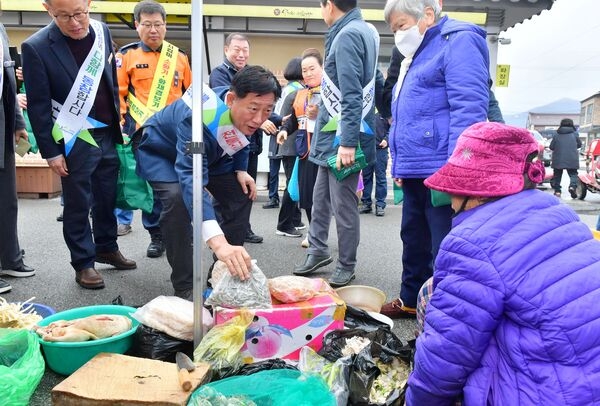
(116, 259)
(89, 278)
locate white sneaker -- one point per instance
(123, 229)
(305, 243)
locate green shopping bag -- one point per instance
(360, 162)
(133, 192)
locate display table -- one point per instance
(35, 179)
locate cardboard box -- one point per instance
(282, 331)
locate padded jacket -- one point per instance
(514, 316)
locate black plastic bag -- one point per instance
(358, 318)
(154, 344)
(275, 363)
(384, 345)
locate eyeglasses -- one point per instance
(156, 26)
(65, 18)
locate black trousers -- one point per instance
(289, 214)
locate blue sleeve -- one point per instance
(240, 159)
(460, 320)
(218, 78)
(467, 83)
(184, 167)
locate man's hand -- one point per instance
(22, 133)
(398, 182)
(281, 137)
(268, 127)
(236, 258)
(383, 144)
(345, 157)
(247, 183)
(59, 166)
(22, 100)
(19, 73)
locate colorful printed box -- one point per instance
(282, 331)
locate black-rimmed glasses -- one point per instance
(65, 18)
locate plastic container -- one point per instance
(364, 297)
(66, 357)
(43, 310)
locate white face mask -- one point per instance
(408, 41)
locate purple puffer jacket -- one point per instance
(515, 315)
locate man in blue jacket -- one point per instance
(344, 123)
(163, 161)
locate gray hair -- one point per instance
(148, 7)
(414, 8)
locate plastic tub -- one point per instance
(66, 357)
(43, 310)
(365, 297)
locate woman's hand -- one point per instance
(281, 137)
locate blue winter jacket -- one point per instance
(514, 318)
(350, 60)
(444, 91)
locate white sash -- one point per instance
(72, 118)
(216, 117)
(332, 96)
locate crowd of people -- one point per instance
(499, 324)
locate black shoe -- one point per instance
(59, 217)
(379, 211)
(341, 277)
(273, 204)
(253, 238)
(4, 286)
(187, 294)
(156, 247)
(573, 193)
(365, 210)
(312, 263)
(22, 272)
(289, 233)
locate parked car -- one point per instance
(544, 147)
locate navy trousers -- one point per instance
(422, 231)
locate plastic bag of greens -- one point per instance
(207, 396)
(21, 366)
(277, 387)
(253, 293)
(380, 364)
(335, 374)
(221, 346)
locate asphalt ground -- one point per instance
(379, 261)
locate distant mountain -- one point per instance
(562, 106)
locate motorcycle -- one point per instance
(589, 181)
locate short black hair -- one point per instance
(255, 79)
(148, 7)
(293, 70)
(236, 35)
(343, 5)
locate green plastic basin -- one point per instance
(65, 357)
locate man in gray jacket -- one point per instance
(345, 122)
(13, 127)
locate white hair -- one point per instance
(414, 8)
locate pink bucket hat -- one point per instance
(489, 160)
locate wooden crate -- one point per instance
(35, 179)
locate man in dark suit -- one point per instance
(13, 125)
(69, 70)
(163, 161)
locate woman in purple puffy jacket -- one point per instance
(514, 318)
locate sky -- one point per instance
(552, 56)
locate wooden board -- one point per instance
(115, 379)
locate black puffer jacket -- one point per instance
(564, 148)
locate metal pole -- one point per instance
(197, 49)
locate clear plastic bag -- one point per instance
(172, 315)
(221, 346)
(253, 293)
(292, 289)
(335, 374)
(21, 366)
